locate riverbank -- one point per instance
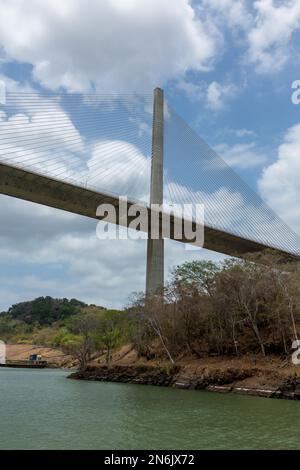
(269, 377)
(265, 377)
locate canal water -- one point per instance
(41, 409)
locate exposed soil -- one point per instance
(266, 377)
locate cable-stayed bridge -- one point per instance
(75, 152)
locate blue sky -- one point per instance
(227, 67)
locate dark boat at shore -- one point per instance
(26, 364)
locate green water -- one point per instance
(41, 409)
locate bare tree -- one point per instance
(84, 326)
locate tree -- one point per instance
(109, 333)
(200, 274)
(152, 320)
(83, 342)
(241, 288)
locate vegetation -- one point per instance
(44, 310)
(94, 332)
(230, 308)
(71, 325)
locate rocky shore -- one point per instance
(256, 381)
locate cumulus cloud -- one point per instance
(279, 184)
(134, 44)
(269, 38)
(138, 44)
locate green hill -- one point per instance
(44, 311)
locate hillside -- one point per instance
(41, 320)
(44, 310)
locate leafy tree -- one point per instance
(199, 274)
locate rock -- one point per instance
(183, 385)
(219, 388)
(213, 379)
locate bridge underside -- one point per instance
(31, 186)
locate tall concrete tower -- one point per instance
(155, 248)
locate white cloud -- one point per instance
(194, 92)
(240, 133)
(264, 28)
(241, 156)
(215, 94)
(270, 37)
(218, 93)
(113, 44)
(232, 13)
(279, 184)
(139, 44)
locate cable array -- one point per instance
(196, 174)
(95, 140)
(103, 142)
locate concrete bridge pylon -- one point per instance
(155, 248)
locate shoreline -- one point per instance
(270, 377)
(230, 380)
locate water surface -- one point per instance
(41, 409)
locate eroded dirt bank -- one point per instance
(269, 377)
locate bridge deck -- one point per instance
(41, 189)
